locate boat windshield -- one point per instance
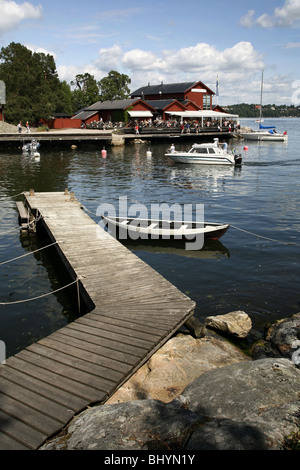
(199, 150)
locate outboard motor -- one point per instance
(238, 160)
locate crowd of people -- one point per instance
(186, 126)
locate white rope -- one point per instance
(41, 296)
(16, 195)
(27, 254)
(261, 236)
(84, 207)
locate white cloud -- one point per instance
(238, 67)
(13, 13)
(285, 16)
(288, 14)
(69, 72)
(247, 20)
(199, 59)
(292, 45)
(138, 59)
(38, 49)
(109, 59)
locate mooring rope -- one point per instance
(45, 295)
(27, 254)
(93, 213)
(261, 236)
(9, 197)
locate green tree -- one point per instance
(86, 91)
(114, 86)
(33, 89)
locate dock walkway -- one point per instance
(133, 312)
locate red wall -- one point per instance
(62, 123)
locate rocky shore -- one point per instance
(203, 393)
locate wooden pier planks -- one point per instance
(134, 311)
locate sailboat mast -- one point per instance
(261, 94)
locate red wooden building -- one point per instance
(195, 92)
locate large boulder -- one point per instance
(237, 324)
(282, 338)
(175, 365)
(252, 405)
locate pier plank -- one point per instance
(133, 311)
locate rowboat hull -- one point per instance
(164, 229)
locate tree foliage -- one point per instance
(33, 89)
(245, 110)
(86, 91)
(114, 86)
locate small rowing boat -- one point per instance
(166, 229)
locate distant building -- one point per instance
(185, 100)
(194, 92)
(120, 110)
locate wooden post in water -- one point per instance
(195, 327)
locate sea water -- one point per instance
(254, 267)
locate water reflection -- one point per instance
(212, 249)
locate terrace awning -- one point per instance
(203, 114)
(138, 114)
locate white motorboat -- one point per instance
(205, 153)
(31, 147)
(165, 229)
(264, 133)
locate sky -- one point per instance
(154, 41)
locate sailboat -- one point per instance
(264, 133)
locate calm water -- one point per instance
(242, 271)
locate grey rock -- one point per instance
(138, 425)
(245, 406)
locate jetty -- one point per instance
(109, 137)
(132, 312)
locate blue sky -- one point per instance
(168, 40)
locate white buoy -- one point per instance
(149, 153)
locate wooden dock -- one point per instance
(133, 312)
(69, 137)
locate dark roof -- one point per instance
(117, 104)
(160, 104)
(83, 115)
(60, 115)
(164, 88)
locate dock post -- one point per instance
(195, 327)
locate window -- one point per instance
(206, 101)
